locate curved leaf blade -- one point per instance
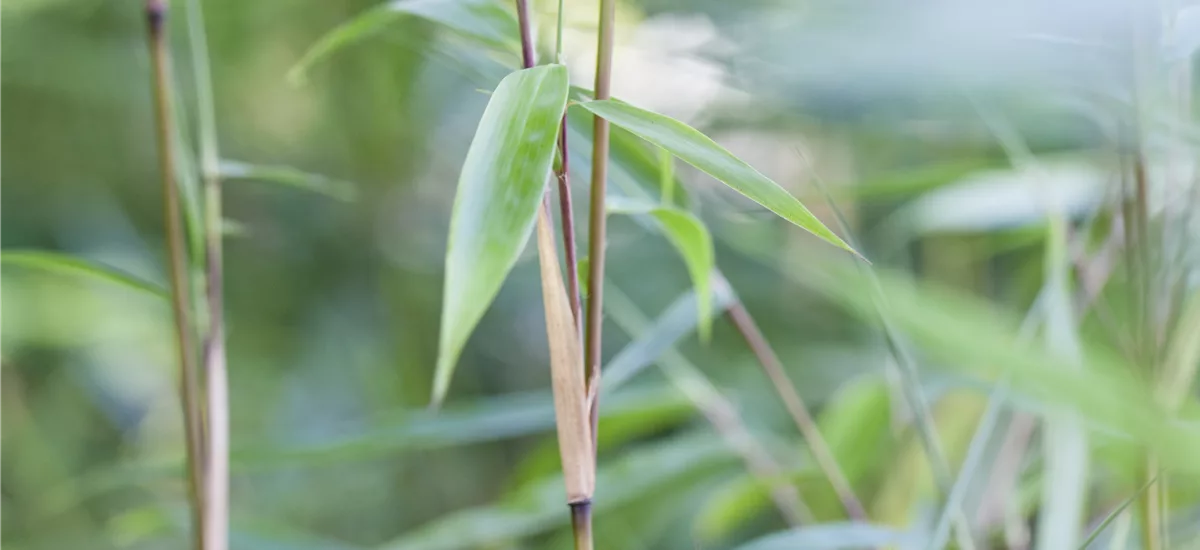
(693, 242)
(55, 262)
(496, 203)
(484, 21)
(700, 151)
(292, 177)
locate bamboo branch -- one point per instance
(156, 14)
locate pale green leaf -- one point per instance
(483, 21)
(55, 262)
(286, 175)
(831, 536)
(691, 239)
(700, 151)
(501, 185)
(676, 321)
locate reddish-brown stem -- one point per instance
(796, 408)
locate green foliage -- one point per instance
(483, 21)
(501, 186)
(691, 239)
(702, 152)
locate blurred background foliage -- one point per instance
(950, 134)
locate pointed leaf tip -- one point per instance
(697, 149)
(498, 194)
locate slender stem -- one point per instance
(216, 460)
(581, 523)
(581, 511)
(795, 406)
(156, 14)
(597, 221)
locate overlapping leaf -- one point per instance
(498, 194)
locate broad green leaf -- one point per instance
(689, 236)
(702, 152)
(498, 195)
(831, 536)
(286, 175)
(55, 262)
(484, 21)
(666, 466)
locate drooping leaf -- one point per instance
(566, 371)
(700, 151)
(661, 467)
(286, 175)
(831, 536)
(497, 199)
(69, 265)
(691, 239)
(484, 21)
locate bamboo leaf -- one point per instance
(286, 175)
(693, 242)
(831, 536)
(700, 151)
(55, 262)
(497, 199)
(484, 21)
(566, 372)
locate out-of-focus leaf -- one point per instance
(645, 471)
(702, 152)
(1184, 38)
(497, 199)
(484, 21)
(55, 262)
(1183, 355)
(260, 536)
(678, 319)
(964, 333)
(286, 175)
(831, 536)
(1064, 438)
(1002, 199)
(691, 239)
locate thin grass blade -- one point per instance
(288, 176)
(65, 264)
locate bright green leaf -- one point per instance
(62, 263)
(501, 185)
(702, 152)
(484, 21)
(286, 175)
(689, 236)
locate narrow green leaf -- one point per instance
(55, 262)
(654, 469)
(1115, 513)
(679, 319)
(702, 152)
(286, 175)
(666, 176)
(831, 536)
(483, 21)
(691, 239)
(498, 194)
